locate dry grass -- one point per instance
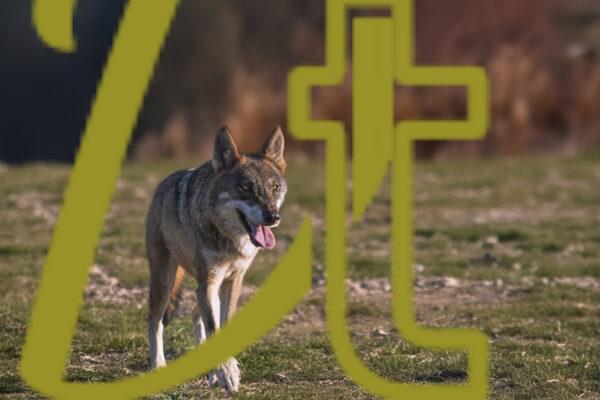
(510, 247)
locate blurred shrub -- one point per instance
(227, 62)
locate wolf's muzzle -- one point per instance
(271, 217)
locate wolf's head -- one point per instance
(249, 189)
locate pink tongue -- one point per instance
(264, 236)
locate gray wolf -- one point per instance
(209, 222)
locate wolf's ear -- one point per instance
(273, 149)
(225, 152)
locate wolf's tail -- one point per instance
(174, 297)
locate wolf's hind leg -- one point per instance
(162, 278)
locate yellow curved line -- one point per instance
(76, 234)
(300, 82)
(282, 290)
(53, 20)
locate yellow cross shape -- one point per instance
(128, 71)
(383, 53)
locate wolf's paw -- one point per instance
(157, 364)
(228, 375)
(212, 379)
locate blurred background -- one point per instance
(226, 62)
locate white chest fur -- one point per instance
(228, 265)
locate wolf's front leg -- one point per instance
(200, 337)
(230, 294)
(227, 375)
(198, 324)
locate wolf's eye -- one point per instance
(245, 187)
(275, 187)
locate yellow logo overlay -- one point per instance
(382, 56)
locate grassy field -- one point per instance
(510, 247)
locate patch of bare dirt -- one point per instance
(38, 204)
(581, 282)
(430, 293)
(104, 288)
(438, 291)
(539, 213)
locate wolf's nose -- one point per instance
(272, 217)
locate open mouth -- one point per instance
(260, 235)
